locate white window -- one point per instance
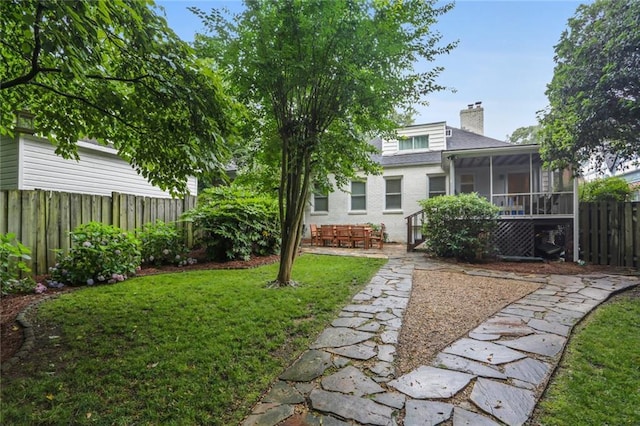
(358, 195)
(320, 202)
(413, 142)
(393, 193)
(437, 186)
(467, 184)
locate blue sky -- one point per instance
(504, 58)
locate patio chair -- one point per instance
(343, 235)
(327, 235)
(315, 235)
(377, 237)
(360, 235)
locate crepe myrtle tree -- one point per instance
(594, 96)
(321, 78)
(112, 70)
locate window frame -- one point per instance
(430, 192)
(363, 196)
(473, 183)
(388, 179)
(413, 143)
(320, 195)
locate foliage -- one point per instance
(459, 226)
(162, 244)
(612, 188)
(597, 380)
(13, 255)
(99, 254)
(236, 223)
(194, 348)
(594, 95)
(113, 71)
(525, 135)
(321, 77)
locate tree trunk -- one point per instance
(294, 191)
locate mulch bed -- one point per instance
(11, 306)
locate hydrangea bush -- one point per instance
(99, 254)
(14, 272)
(162, 244)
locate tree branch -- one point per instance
(88, 103)
(34, 57)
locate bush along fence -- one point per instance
(610, 233)
(43, 220)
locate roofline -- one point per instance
(493, 150)
(419, 125)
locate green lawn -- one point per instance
(186, 348)
(598, 382)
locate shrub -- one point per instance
(459, 226)
(607, 189)
(236, 222)
(12, 265)
(162, 244)
(99, 254)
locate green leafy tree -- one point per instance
(594, 96)
(525, 135)
(113, 71)
(321, 76)
(612, 188)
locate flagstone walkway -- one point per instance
(492, 376)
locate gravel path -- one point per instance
(444, 306)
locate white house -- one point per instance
(628, 170)
(30, 162)
(434, 159)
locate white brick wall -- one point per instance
(414, 188)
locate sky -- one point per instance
(504, 57)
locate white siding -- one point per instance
(435, 131)
(8, 163)
(99, 171)
(414, 188)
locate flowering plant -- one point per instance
(99, 254)
(13, 265)
(162, 244)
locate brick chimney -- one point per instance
(472, 118)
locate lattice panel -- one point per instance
(515, 238)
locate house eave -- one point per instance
(448, 155)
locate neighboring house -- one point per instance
(628, 170)
(435, 159)
(30, 162)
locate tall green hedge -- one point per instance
(236, 223)
(459, 226)
(606, 189)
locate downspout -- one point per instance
(491, 179)
(531, 183)
(576, 214)
(452, 176)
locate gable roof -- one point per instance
(459, 139)
(462, 139)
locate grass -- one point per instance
(187, 348)
(598, 382)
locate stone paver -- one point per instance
(510, 404)
(351, 381)
(483, 351)
(347, 376)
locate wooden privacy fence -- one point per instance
(610, 233)
(43, 220)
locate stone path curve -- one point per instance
(492, 376)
